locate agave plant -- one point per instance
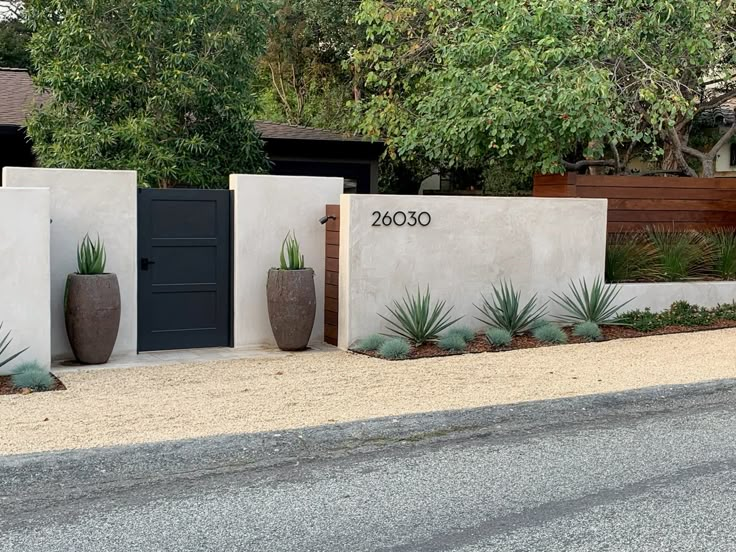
(91, 257)
(595, 304)
(723, 243)
(4, 344)
(505, 311)
(631, 257)
(417, 319)
(291, 257)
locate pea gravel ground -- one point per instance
(136, 405)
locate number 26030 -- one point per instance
(401, 218)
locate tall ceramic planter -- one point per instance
(92, 315)
(292, 306)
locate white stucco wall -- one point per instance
(471, 243)
(24, 278)
(94, 202)
(659, 296)
(265, 209)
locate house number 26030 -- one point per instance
(401, 218)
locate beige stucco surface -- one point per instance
(24, 276)
(659, 296)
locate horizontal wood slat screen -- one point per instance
(635, 202)
(332, 273)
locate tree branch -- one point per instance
(722, 142)
(679, 149)
(585, 163)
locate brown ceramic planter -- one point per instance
(292, 304)
(92, 315)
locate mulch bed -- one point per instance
(6, 386)
(480, 343)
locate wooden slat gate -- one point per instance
(332, 273)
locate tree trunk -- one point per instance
(708, 168)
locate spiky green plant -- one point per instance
(417, 319)
(499, 337)
(30, 375)
(291, 257)
(550, 333)
(682, 254)
(723, 244)
(588, 330)
(595, 304)
(505, 311)
(91, 256)
(5, 342)
(394, 349)
(453, 342)
(371, 343)
(465, 332)
(631, 257)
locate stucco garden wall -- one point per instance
(94, 202)
(265, 209)
(471, 243)
(24, 277)
(659, 296)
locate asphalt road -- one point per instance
(619, 478)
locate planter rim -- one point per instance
(292, 270)
(100, 274)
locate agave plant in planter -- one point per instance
(92, 305)
(292, 300)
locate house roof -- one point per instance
(723, 115)
(17, 95)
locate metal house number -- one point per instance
(401, 218)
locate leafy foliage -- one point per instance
(394, 349)
(587, 330)
(505, 311)
(595, 304)
(14, 38)
(5, 342)
(680, 313)
(452, 342)
(371, 343)
(550, 333)
(164, 88)
(499, 337)
(91, 256)
(464, 332)
(291, 258)
(631, 258)
(682, 254)
(723, 244)
(417, 320)
(30, 375)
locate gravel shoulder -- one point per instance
(139, 405)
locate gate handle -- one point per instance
(145, 263)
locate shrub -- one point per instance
(291, 258)
(642, 320)
(505, 311)
(588, 330)
(371, 343)
(4, 344)
(465, 332)
(550, 333)
(682, 313)
(682, 254)
(597, 304)
(630, 257)
(30, 375)
(453, 342)
(417, 320)
(726, 312)
(499, 337)
(91, 257)
(723, 244)
(394, 349)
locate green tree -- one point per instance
(164, 88)
(14, 37)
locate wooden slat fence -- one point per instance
(635, 202)
(332, 273)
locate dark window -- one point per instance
(733, 155)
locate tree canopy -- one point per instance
(165, 88)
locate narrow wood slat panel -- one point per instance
(332, 278)
(331, 334)
(333, 211)
(655, 193)
(331, 291)
(656, 182)
(332, 251)
(331, 318)
(713, 217)
(672, 205)
(332, 265)
(636, 226)
(333, 238)
(332, 304)
(554, 191)
(550, 179)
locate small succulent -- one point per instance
(453, 342)
(506, 311)
(5, 342)
(91, 257)
(465, 332)
(417, 319)
(291, 257)
(394, 349)
(588, 330)
(550, 333)
(499, 337)
(371, 343)
(30, 375)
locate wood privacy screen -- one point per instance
(635, 202)
(332, 273)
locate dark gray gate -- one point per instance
(184, 269)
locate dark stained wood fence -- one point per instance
(332, 273)
(635, 202)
